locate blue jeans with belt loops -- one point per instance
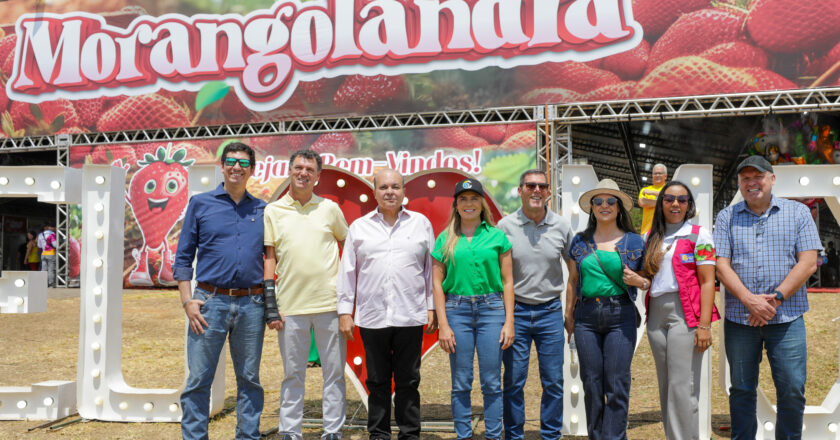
(239, 318)
(477, 322)
(605, 333)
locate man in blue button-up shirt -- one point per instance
(766, 250)
(225, 228)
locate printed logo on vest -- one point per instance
(687, 258)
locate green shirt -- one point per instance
(474, 266)
(593, 280)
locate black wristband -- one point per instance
(271, 312)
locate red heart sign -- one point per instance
(428, 192)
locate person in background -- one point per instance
(648, 195)
(600, 309)
(540, 240)
(48, 254)
(32, 260)
(473, 292)
(680, 306)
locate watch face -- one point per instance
(779, 296)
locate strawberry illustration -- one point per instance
(8, 64)
(571, 75)
(157, 194)
(364, 93)
(613, 92)
(512, 129)
(736, 54)
(107, 154)
(554, 95)
(144, 112)
(521, 140)
(46, 117)
(791, 26)
(656, 16)
(7, 45)
(819, 65)
(630, 64)
(320, 91)
(687, 76)
(89, 111)
(695, 32)
(74, 259)
(337, 143)
(4, 99)
(452, 137)
(769, 80)
(493, 134)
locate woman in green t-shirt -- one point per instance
(600, 309)
(473, 291)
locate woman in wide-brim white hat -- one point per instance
(600, 309)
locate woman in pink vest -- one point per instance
(680, 304)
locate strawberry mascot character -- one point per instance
(157, 195)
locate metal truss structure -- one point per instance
(740, 104)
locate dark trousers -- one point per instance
(393, 352)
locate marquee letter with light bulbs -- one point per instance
(102, 391)
(26, 292)
(577, 179)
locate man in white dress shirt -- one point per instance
(386, 271)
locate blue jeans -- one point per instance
(787, 354)
(241, 317)
(542, 324)
(477, 323)
(605, 333)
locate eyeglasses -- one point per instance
(231, 161)
(597, 201)
(532, 186)
(669, 198)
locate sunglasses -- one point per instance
(669, 198)
(597, 201)
(532, 186)
(231, 161)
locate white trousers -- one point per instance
(294, 342)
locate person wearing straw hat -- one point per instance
(600, 306)
(473, 293)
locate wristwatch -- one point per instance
(779, 296)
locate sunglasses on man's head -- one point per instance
(669, 198)
(532, 186)
(231, 161)
(598, 201)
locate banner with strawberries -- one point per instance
(83, 66)
(156, 182)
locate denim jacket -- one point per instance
(631, 249)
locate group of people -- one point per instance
(38, 253)
(492, 290)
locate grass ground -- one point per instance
(44, 346)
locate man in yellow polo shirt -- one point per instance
(302, 235)
(648, 195)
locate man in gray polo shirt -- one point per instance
(540, 241)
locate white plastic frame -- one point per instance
(102, 392)
(26, 292)
(820, 421)
(577, 179)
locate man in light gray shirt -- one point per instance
(540, 241)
